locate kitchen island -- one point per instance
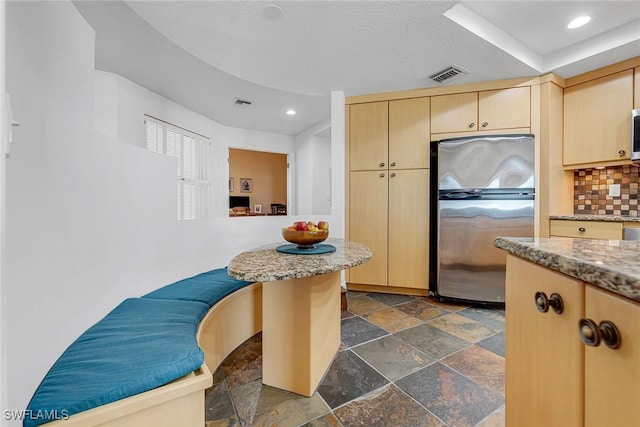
(572, 331)
(609, 264)
(300, 309)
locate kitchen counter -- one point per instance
(608, 264)
(609, 218)
(265, 264)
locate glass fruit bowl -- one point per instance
(304, 239)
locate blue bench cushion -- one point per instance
(208, 288)
(140, 345)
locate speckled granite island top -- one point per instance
(607, 218)
(265, 264)
(608, 264)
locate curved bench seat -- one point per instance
(207, 288)
(143, 364)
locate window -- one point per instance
(192, 153)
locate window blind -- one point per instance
(192, 153)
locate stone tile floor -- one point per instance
(404, 361)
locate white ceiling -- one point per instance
(204, 54)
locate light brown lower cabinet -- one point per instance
(612, 376)
(552, 377)
(389, 213)
(585, 229)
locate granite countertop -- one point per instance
(265, 264)
(585, 217)
(608, 264)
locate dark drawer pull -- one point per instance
(582, 229)
(554, 301)
(592, 334)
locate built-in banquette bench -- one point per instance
(143, 364)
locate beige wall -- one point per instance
(268, 172)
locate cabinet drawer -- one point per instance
(586, 229)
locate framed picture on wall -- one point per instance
(257, 208)
(246, 185)
(230, 185)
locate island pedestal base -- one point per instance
(300, 331)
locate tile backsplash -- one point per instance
(591, 189)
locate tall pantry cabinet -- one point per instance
(388, 197)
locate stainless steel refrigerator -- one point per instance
(481, 188)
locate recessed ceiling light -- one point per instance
(272, 12)
(578, 22)
(291, 112)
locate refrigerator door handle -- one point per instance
(464, 194)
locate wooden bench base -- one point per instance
(179, 403)
(229, 323)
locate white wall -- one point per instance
(304, 175)
(122, 115)
(4, 130)
(338, 162)
(321, 177)
(90, 215)
(313, 157)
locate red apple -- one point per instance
(301, 225)
(323, 225)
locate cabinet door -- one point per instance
(368, 224)
(597, 120)
(409, 228)
(504, 108)
(544, 354)
(612, 376)
(368, 136)
(454, 113)
(409, 133)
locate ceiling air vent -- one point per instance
(242, 102)
(448, 74)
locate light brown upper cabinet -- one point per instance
(504, 108)
(409, 133)
(369, 136)
(485, 110)
(389, 134)
(454, 113)
(597, 120)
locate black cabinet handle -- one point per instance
(582, 229)
(554, 301)
(382, 164)
(472, 125)
(393, 164)
(381, 175)
(622, 152)
(610, 334)
(589, 333)
(393, 175)
(485, 124)
(592, 334)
